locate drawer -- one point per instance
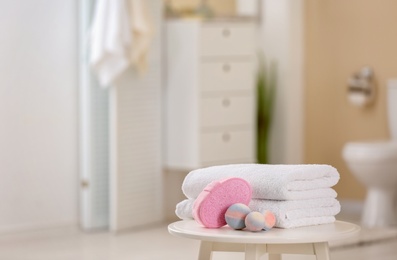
(227, 110)
(227, 39)
(226, 75)
(227, 146)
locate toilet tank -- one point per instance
(392, 107)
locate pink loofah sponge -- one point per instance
(210, 206)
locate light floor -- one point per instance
(153, 243)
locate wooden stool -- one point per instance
(310, 240)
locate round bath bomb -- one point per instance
(255, 221)
(235, 215)
(270, 219)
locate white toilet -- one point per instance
(375, 165)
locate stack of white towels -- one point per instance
(298, 195)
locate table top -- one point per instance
(309, 234)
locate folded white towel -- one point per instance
(298, 213)
(288, 214)
(302, 222)
(276, 182)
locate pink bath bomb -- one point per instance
(270, 219)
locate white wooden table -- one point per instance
(311, 240)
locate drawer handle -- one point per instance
(226, 33)
(226, 137)
(226, 67)
(225, 102)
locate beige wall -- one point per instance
(341, 37)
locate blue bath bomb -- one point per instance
(255, 221)
(235, 215)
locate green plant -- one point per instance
(266, 87)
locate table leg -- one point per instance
(321, 251)
(251, 252)
(205, 250)
(274, 256)
(254, 251)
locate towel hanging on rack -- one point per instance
(121, 33)
(142, 31)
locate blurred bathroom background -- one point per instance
(74, 153)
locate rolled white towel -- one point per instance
(184, 209)
(276, 182)
(288, 213)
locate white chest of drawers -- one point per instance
(209, 93)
